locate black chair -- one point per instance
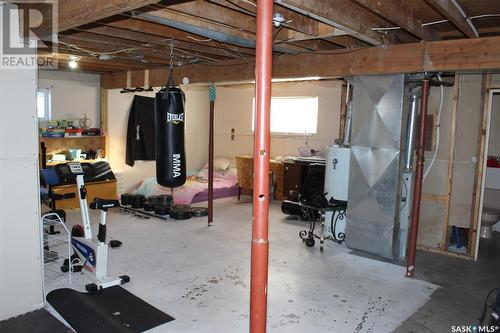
(311, 194)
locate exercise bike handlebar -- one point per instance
(104, 204)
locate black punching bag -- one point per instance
(169, 135)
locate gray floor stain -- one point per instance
(196, 292)
(292, 316)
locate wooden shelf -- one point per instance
(63, 145)
(52, 163)
(72, 137)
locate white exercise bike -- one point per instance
(91, 255)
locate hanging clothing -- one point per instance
(141, 131)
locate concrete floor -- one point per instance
(200, 276)
(463, 286)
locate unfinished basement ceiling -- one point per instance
(137, 35)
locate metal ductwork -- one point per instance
(411, 127)
(207, 33)
(375, 169)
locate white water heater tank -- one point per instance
(336, 186)
(337, 172)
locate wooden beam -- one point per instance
(212, 30)
(480, 164)
(140, 55)
(118, 64)
(157, 47)
(397, 12)
(166, 32)
(348, 42)
(298, 22)
(451, 13)
(205, 10)
(446, 253)
(298, 27)
(74, 13)
(317, 45)
(157, 43)
(451, 162)
(341, 14)
(441, 198)
(480, 54)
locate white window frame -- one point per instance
(301, 134)
(48, 104)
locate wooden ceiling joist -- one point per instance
(348, 42)
(400, 14)
(451, 13)
(454, 55)
(150, 28)
(160, 46)
(92, 46)
(205, 10)
(340, 14)
(72, 13)
(208, 30)
(297, 27)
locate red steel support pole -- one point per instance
(260, 242)
(419, 171)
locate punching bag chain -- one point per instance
(170, 81)
(171, 53)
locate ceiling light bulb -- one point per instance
(72, 64)
(278, 19)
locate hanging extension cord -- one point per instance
(438, 127)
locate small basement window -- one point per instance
(43, 104)
(292, 115)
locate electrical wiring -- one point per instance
(199, 39)
(97, 53)
(250, 2)
(241, 7)
(438, 126)
(468, 18)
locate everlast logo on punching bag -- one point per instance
(176, 162)
(175, 118)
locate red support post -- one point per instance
(419, 171)
(260, 242)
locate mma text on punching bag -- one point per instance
(169, 135)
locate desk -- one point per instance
(244, 165)
(100, 189)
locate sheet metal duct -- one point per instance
(212, 34)
(374, 182)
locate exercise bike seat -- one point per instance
(104, 204)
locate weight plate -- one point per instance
(199, 211)
(181, 212)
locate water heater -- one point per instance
(336, 183)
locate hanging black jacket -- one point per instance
(141, 131)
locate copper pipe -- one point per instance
(260, 242)
(419, 171)
(211, 165)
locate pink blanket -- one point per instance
(185, 193)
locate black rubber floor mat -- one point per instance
(111, 310)
(39, 321)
